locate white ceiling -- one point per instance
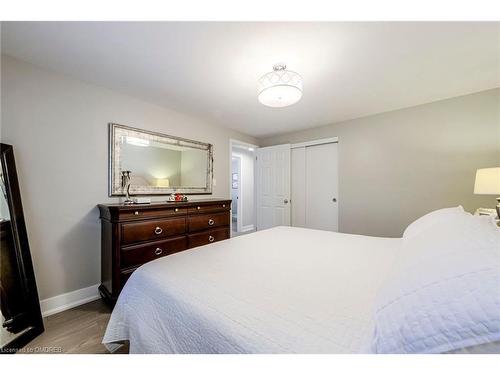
(211, 70)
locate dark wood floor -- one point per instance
(79, 330)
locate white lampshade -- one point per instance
(280, 88)
(162, 182)
(487, 181)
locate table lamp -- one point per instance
(163, 182)
(488, 183)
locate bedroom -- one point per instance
(250, 187)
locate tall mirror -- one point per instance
(157, 164)
(21, 318)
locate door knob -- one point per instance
(285, 201)
(334, 200)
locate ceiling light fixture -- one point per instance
(137, 141)
(280, 88)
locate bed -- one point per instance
(255, 294)
(281, 290)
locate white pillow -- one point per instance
(444, 291)
(434, 218)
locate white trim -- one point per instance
(66, 301)
(239, 204)
(233, 143)
(248, 228)
(315, 142)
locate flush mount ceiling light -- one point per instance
(280, 88)
(137, 141)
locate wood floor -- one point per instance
(79, 330)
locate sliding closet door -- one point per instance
(321, 187)
(298, 180)
(315, 186)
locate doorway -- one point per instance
(242, 187)
(235, 192)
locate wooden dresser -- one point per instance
(132, 235)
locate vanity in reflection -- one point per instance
(134, 234)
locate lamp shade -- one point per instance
(487, 181)
(280, 88)
(162, 182)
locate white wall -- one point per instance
(59, 129)
(192, 162)
(148, 164)
(247, 187)
(397, 166)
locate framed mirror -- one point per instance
(19, 305)
(157, 164)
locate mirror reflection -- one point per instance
(157, 164)
(149, 163)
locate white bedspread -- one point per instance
(282, 290)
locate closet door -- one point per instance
(298, 180)
(321, 187)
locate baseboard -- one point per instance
(66, 301)
(248, 228)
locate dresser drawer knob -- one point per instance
(211, 222)
(211, 238)
(176, 210)
(198, 208)
(158, 230)
(158, 251)
(223, 206)
(136, 213)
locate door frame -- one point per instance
(232, 143)
(317, 142)
(239, 216)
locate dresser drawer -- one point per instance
(203, 222)
(209, 208)
(206, 237)
(152, 230)
(139, 254)
(145, 213)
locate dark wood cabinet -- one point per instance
(132, 235)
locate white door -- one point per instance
(273, 186)
(315, 187)
(298, 179)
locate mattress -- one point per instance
(281, 290)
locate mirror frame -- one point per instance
(33, 315)
(114, 177)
